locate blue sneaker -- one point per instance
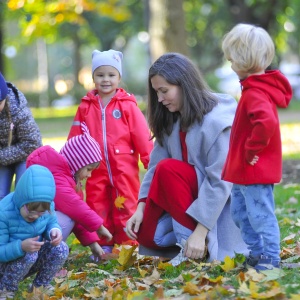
(267, 263)
(107, 249)
(251, 261)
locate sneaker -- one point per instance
(251, 261)
(107, 249)
(179, 258)
(5, 294)
(267, 263)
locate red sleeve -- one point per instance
(85, 237)
(70, 203)
(79, 117)
(140, 134)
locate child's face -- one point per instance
(30, 215)
(86, 172)
(241, 74)
(106, 79)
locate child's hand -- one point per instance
(32, 245)
(103, 231)
(254, 160)
(56, 237)
(97, 251)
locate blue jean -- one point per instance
(252, 210)
(7, 174)
(169, 232)
(44, 263)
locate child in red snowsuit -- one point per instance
(118, 125)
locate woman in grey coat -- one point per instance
(19, 135)
(182, 199)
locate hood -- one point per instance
(17, 100)
(273, 83)
(36, 185)
(120, 95)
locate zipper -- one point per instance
(103, 121)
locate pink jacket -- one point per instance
(256, 130)
(67, 200)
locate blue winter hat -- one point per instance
(3, 88)
(111, 58)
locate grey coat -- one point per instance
(26, 135)
(207, 147)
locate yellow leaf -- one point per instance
(75, 242)
(244, 288)
(126, 256)
(94, 292)
(289, 239)
(78, 275)
(228, 264)
(253, 288)
(142, 272)
(191, 288)
(163, 265)
(119, 202)
(134, 295)
(216, 280)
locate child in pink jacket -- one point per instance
(117, 124)
(74, 163)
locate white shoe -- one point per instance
(179, 258)
(4, 294)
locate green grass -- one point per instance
(287, 198)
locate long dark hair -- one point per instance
(198, 99)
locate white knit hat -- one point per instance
(111, 58)
(81, 150)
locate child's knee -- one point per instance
(31, 258)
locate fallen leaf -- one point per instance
(119, 201)
(154, 277)
(142, 272)
(228, 264)
(191, 288)
(127, 256)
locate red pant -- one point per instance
(174, 187)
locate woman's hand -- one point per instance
(133, 224)
(195, 246)
(104, 232)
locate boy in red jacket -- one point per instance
(117, 124)
(254, 161)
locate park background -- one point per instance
(45, 50)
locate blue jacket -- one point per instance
(36, 184)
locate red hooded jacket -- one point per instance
(256, 130)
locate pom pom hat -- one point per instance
(3, 88)
(81, 150)
(111, 58)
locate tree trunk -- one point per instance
(166, 28)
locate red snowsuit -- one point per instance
(123, 134)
